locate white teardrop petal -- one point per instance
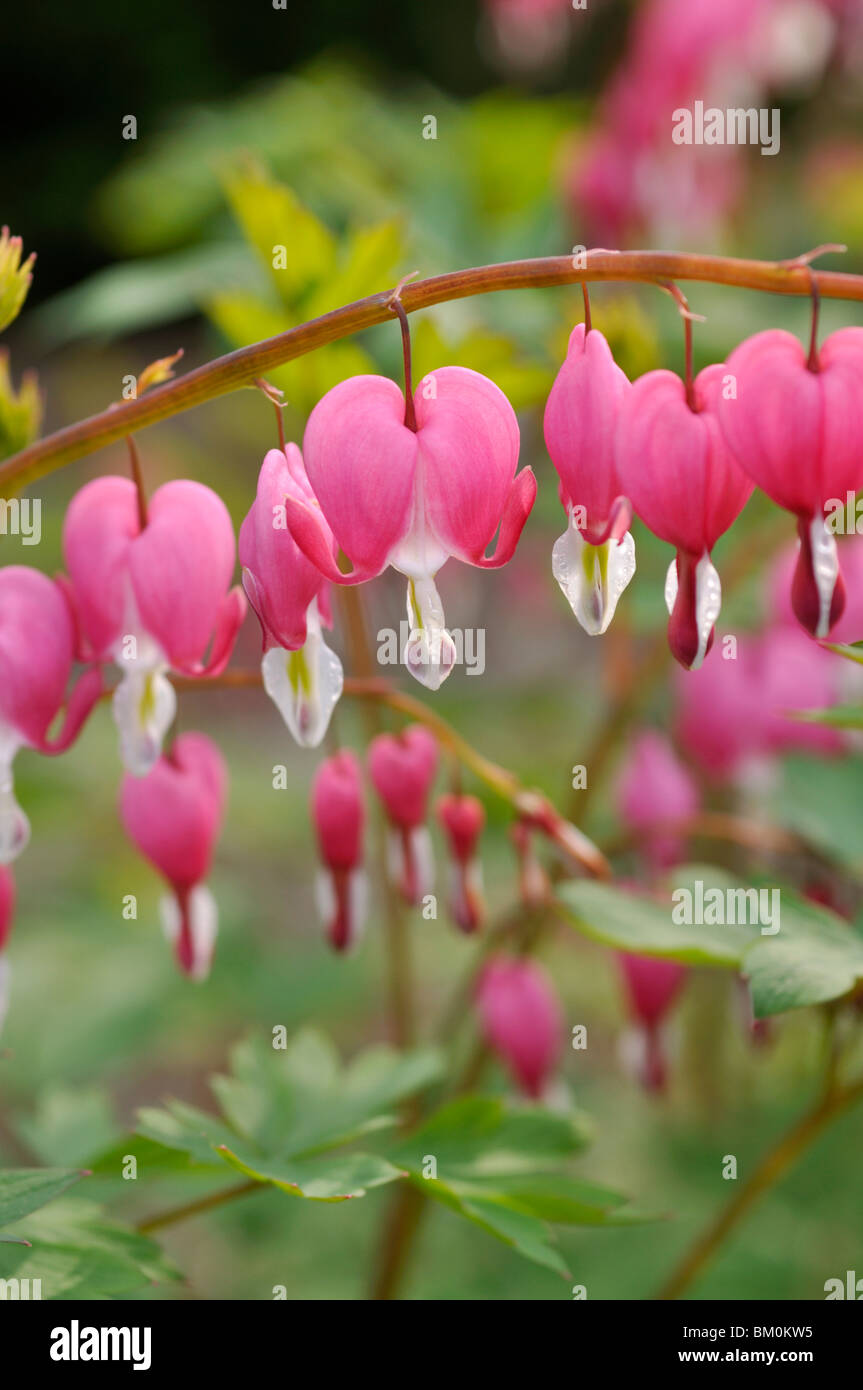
(144, 707)
(825, 570)
(592, 577)
(14, 825)
(305, 686)
(430, 653)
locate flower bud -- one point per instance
(402, 769)
(655, 788)
(521, 1020)
(462, 819)
(15, 278)
(173, 815)
(338, 815)
(651, 986)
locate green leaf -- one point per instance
(813, 957)
(328, 1179)
(500, 1167)
(294, 245)
(285, 1111)
(819, 799)
(481, 1136)
(636, 922)
(79, 1253)
(369, 263)
(23, 1190)
(68, 1125)
(301, 1099)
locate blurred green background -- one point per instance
(305, 126)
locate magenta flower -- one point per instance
(594, 560)
(151, 599)
(462, 819)
(795, 426)
(651, 986)
(402, 768)
(303, 678)
(686, 486)
(37, 649)
(848, 628)
(656, 787)
(338, 814)
(173, 815)
(7, 913)
(391, 495)
(734, 714)
(521, 1020)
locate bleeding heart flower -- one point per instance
(303, 678)
(521, 1019)
(656, 787)
(338, 815)
(462, 819)
(686, 486)
(796, 425)
(151, 598)
(173, 815)
(402, 769)
(7, 912)
(37, 648)
(594, 560)
(734, 714)
(651, 986)
(410, 498)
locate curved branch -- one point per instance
(241, 368)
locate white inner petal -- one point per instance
(430, 653)
(144, 706)
(203, 924)
(708, 601)
(592, 577)
(14, 825)
(305, 685)
(825, 570)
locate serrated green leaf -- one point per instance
(326, 1179)
(293, 245)
(68, 1125)
(285, 1111)
(79, 1253)
(481, 1136)
(23, 1190)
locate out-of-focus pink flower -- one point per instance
(37, 648)
(392, 495)
(656, 787)
(173, 815)
(151, 598)
(521, 1020)
(402, 768)
(338, 815)
(733, 712)
(849, 627)
(462, 819)
(794, 426)
(685, 484)
(651, 986)
(303, 678)
(594, 560)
